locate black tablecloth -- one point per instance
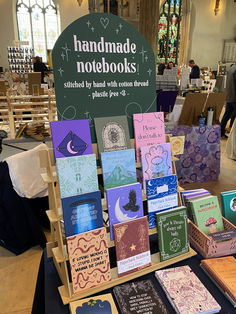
(21, 219)
(47, 299)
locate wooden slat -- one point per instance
(156, 264)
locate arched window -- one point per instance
(169, 31)
(38, 24)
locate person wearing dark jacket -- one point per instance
(195, 71)
(230, 109)
(40, 67)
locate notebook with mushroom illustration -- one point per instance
(124, 204)
(89, 259)
(207, 214)
(71, 138)
(132, 245)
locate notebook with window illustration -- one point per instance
(112, 133)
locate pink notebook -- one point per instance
(156, 161)
(186, 292)
(149, 129)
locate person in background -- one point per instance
(170, 65)
(161, 68)
(195, 71)
(40, 67)
(230, 109)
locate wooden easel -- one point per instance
(57, 247)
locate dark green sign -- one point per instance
(103, 67)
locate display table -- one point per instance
(200, 161)
(47, 299)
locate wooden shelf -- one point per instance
(156, 264)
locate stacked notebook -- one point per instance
(186, 292)
(204, 210)
(222, 271)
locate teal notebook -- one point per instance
(228, 202)
(172, 227)
(77, 175)
(207, 214)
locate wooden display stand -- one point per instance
(57, 247)
(18, 109)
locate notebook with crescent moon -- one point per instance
(71, 138)
(124, 204)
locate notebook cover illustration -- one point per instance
(185, 291)
(172, 227)
(156, 161)
(118, 168)
(71, 138)
(124, 204)
(149, 129)
(223, 271)
(228, 201)
(101, 304)
(89, 259)
(132, 245)
(177, 145)
(112, 133)
(139, 297)
(207, 214)
(82, 213)
(161, 195)
(77, 175)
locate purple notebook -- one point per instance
(125, 203)
(71, 138)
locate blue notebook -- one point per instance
(118, 168)
(161, 195)
(82, 213)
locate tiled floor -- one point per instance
(18, 274)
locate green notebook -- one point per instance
(228, 202)
(172, 226)
(207, 214)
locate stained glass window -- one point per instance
(169, 31)
(38, 24)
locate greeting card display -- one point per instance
(77, 175)
(132, 245)
(161, 195)
(101, 304)
(149, 129)
(124, 204)
(118, 168)
(82, 213)
(89, 259)
(71, 138)
(139, 297)
(112, 133)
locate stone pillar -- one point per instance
(148, 21)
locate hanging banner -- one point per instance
(103, 67)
